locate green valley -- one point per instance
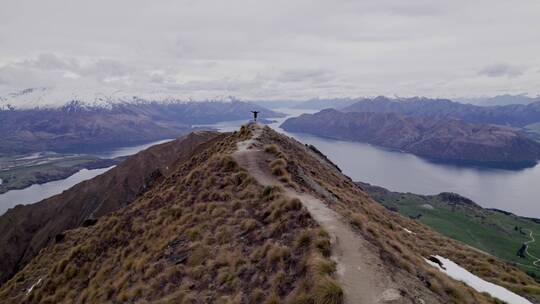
(495, 232)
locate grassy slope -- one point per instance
(208, 234)
(401, 251)
(490, 231)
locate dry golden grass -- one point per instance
(382, 228)
(272, 149)
(208, 234)
(328, 291)
(278, 167)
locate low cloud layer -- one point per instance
(502, 69)
(272, 49)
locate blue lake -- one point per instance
(36, 193)
(517, 191)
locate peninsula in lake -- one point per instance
(442, 139)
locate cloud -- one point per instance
(271, 49)
(48, 61)
(106, 68)
(306, 75)
(502, 70)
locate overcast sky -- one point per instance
(273, 49)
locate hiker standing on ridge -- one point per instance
(255, 115)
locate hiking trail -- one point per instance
(532, 240)
(360, 271)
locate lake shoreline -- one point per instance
(481, 165)
(514, 191)
(66, 173)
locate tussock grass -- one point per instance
(278, 167)
(328, 291)
(270, 192)
(280, 162)
(380, 227)
(358, 220)
(249, 224)
(199, 237)
(228, 163)
(303, 240)
(272, 149)
(324, 247)
(322, 267)
(257, 296)
(245, 133)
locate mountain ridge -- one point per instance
(437, 139)
(51, 98)
(34, 225)
(75, 127)
(213, 231)
(516, 115)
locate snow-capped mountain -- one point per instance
(37, 120)
(32, 98)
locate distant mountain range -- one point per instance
(438, 139)
(500, 100)
(512, 115)
(43, 97)
(81, 127)
(342, 102)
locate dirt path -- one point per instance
(532, 240)
(360, 270)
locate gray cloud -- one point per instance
(49, 61)
(502, 69)
(271, 49)
(307, 75)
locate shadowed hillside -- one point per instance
(27, 229)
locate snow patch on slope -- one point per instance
(459, 273)
(32, 287)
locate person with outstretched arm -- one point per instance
(255, 115)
